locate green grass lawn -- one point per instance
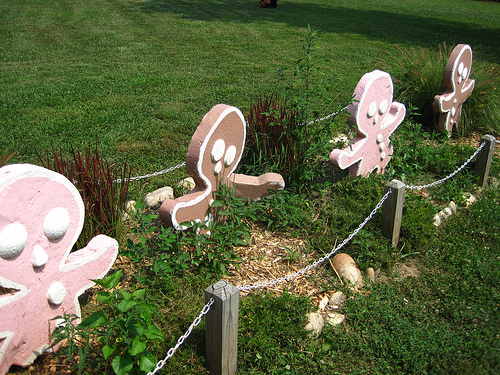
(135, 77)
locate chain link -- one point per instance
(154, 174)
(320, 260)
(181, 339)
(435, 183)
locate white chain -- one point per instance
(328, 116)
(435, 183)
(154, 174)
(181, 339)
(320, 260)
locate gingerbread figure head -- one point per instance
(374, 117)
(41, 218)
(213, 154)
(458, 88)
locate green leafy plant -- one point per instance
(418, 76)
(123, 327)
(284, 135)
(96, 180)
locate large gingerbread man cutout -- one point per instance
(374, 117)
(213, 154)
(41, 217)
(458, 88)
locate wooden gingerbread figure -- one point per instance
(458, 88)
(213, 154)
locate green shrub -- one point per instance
(285, 136)
(418, 76)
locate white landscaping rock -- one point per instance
(323, 303)
(348, 270)
(187, 183)
(335, 319)
(158, 196)
(337, 299)
(370, 273)
(315, 324)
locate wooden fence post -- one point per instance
(392, 211)
(221, 334)
(483, 161)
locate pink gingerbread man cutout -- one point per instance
(213, 154)
(41, 217)
(374, 117)
(458, 88)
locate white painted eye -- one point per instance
(218, 168)
(382, 108)
(40, 257)
(13, 239)
(56, 223)
(460, 69)
(230, 156)
(56, 293)
(464, 73)
(372, 109)
(218, 150)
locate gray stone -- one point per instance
(158, 196)
(315, 324)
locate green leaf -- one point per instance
(153, 333)
(138, 346)
(147, 363)
(126, 295)
(139, 293)
(111, 281)
(95, 319)
(216, 204)
(107, 350)
(125, 306)
(122, 365)
(104, 297)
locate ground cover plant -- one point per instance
(134, 78)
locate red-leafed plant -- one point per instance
(103, 188)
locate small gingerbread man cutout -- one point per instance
(41, 217)
(213, 154)
(374, 117)
(458, 88)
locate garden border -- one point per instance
(222, 321)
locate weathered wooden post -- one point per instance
(221, 334)
(483, 161)
(392, 211)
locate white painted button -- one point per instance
(218, 150)
(40, 257)
(56, 223)
(372, 109)
(382, 108)
(218, 168)
(230, 156)
(56, 293)
(455, 101)
(382, 156)
(381, 146)
(13, 239)
(453, 111)
(380, 138)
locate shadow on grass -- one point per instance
(374, 25)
